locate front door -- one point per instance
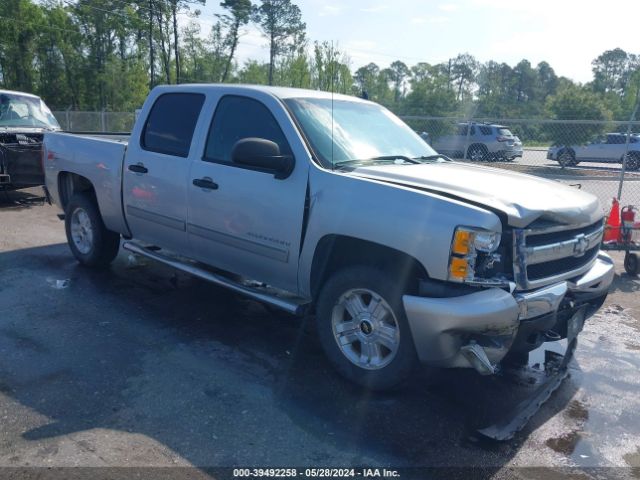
(245, 220)
(156, 172)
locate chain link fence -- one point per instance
(586, 154)
(103, 121)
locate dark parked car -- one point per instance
(23, 120)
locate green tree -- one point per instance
(330, 69)
(612, 69)
(576, 103)
(281, 22)
(254, 72)
(399, 74)
(239, 15)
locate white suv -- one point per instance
(484, 141)
(610, 148)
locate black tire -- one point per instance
(477, 153)
(101, 245)
(566, 158)
(633, 161)
(631, 264)
(362, 278)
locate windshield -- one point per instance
(25, 111)
(361, 131)
(505, 132)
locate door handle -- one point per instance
(138, 168)
(205, 183)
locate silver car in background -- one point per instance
(484, 141)
(609, 148)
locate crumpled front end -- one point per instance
(477, 330)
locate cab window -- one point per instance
(171, 123)
(237, 118)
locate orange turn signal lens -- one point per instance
(458, 268)
(462, 242)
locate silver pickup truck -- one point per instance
(330, 205)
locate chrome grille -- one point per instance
(543, 256)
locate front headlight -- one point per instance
(467, 247)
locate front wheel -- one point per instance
(477, 153)
(567, 159)
(631, 265)
(90, 241)
(363, 328)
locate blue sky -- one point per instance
(566, 33)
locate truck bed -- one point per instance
(96, 157)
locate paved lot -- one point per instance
(138, 366)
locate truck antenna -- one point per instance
(332, 88)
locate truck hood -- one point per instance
(522, 198)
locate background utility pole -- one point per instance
(174, 8)
(151, 59)
(626, 146)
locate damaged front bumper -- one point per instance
(477, 330)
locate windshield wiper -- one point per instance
(428, 158)
(347, 163)
(362, 162)
(396, 157)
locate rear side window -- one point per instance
(464, 129)
(170, 125)
(237, 118)
(616, 139)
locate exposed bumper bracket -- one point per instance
(506, 428)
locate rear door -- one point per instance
(249, 222)
(615, 148)
(156, 170)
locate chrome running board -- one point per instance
(275, 298)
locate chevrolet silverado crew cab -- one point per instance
(330, 205)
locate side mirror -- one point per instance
(264, 155)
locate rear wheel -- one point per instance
(633, 161)
(90, 241)
(363, 328)
(477, 153)
(631, 265)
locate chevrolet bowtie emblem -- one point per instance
(581, 245)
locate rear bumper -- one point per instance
(509, 151)
(500, 321)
